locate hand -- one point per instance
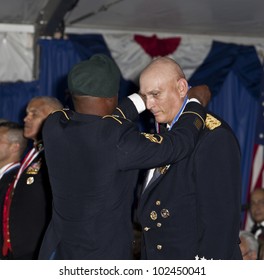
(202, 93)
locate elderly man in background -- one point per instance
(12, 146)
(248, 246)
(28, 200)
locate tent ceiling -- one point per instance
(242, 18)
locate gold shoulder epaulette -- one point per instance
(211, 122)
(116, 118)
(62, 111)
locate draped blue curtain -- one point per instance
(238, 107)
(58, 57)
(87, 45)
(14, 98)
(224, 58)
(233, 73)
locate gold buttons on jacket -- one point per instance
(158, 224)
(158, 202)
(153, 215)
(146, 228)
(165, 213)
(159, 247)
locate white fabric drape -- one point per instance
(16, 54)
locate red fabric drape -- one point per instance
(154, 46)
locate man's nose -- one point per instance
(149, 103)
(26, 118)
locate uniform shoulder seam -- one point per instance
(62, 111)
(116, 118)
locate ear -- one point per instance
(182, 86)
(15, 147)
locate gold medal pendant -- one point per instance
(30, 180)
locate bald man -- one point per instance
(189, 209)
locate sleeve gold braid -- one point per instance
(121, 112)
(155, 138)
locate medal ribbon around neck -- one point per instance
(9, 168)
(32, 154)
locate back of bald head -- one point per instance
(164, 65)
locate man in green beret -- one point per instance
(94, 156)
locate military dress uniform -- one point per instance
(5, 181)
(192, 210)
(93, 167)
(30, 209)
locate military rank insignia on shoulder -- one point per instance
(211, 122)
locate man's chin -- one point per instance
(28, 135)
(159, 120)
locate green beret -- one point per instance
(99, 76)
